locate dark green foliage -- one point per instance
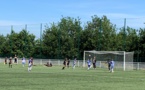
(68, 38)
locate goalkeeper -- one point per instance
(94, 63)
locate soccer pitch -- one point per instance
(53, 78)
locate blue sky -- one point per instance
(19, 12)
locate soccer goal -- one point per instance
(122, 59)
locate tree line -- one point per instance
(68, 38)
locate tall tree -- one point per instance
(2, 45)
(99, 34)
(62, 39)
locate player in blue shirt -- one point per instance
(89, 63)
(112, 66)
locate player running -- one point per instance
(112, 66)
(89, 62)
(68, 61)
(30, 64)
(23, 61)
(74, 63)
(64, 64)
(10, 62)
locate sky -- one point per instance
(21, 12)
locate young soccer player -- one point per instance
(32, 60)
(108, 62)
(112, 66)
(64, 64)
(48, 64)
(89, 62)
(94, 63)
(15, 59)
(30, 64)
(74, 63)
(10, 62)
(68, 61)
(5, 62)
(23, 61)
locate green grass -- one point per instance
(53, 78)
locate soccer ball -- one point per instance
(89, 55)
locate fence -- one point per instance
(99, 64)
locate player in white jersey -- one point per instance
(112, 66)
(74, 63)
(89, 62)
(30, 64)
(23, 61)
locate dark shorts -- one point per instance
(15, 60)
(10, 63)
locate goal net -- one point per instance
(123, 60)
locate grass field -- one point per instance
(53, 78)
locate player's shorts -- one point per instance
(111, 66)
(10, 63)
(29, 65)
(23, 62)
(15, 60)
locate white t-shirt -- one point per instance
(23, 60)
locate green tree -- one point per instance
(141, 36)
(20, 44)
(99, 34)
(62, 39)
(2, 45)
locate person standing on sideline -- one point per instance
(112, 66)
(74, 63)
(89, 62)
(94, 63)
(23, 61)
(15, 59)
(30, 64)
(10, 62)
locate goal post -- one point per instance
(123, 60)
